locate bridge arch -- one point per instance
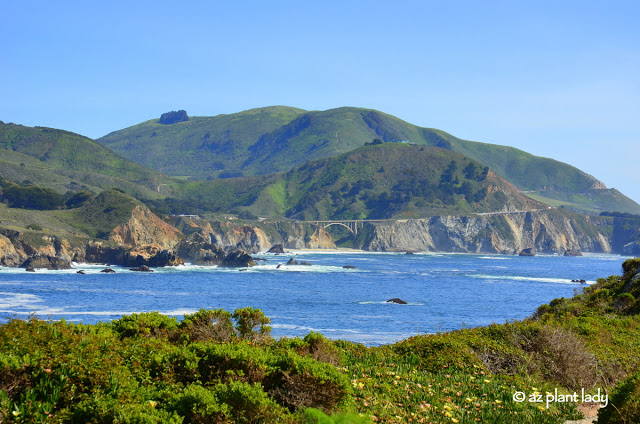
(340, 223)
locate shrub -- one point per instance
(624, 403)
(321, 349)
(236, 402)
(78, 199)
(565, 358)
(206, 324)
(434, 353)
(148, 324)
(251, 324)
(173, 117)
(32, 197)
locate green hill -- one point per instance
(276, 139)
(202, 146)
(390, 180)
(66, 161)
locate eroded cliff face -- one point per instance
(145, 228)
(229, 235)
(544, 231)
(144, 239)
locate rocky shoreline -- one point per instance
(147, 240)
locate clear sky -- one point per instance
(556, 78)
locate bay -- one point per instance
(444, 291)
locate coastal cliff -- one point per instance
(547, 231)
(254, 237)
(142, 238)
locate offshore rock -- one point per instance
(142, 268)
(276, 248)
(238, 259)
(527, 252)
(572, 253)
(397, 301)
(294, 262)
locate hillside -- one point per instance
(389, 180)
(66, 161)
(276, 139)
(201, 146)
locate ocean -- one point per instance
(443, 291)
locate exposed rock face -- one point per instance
(527, 252)
(246, 237)
(545, 231)
(199, 251)
(320, 239)
(8, 254)
(226, 235)
(151, 256)
(238, 259)
(145, 228)
(276, 248)
(41, 260)
(572, 253)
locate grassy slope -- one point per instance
(369, 182)
(96, 218)
(202, 146)
(66, 161)
(286, 138)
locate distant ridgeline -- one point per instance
(173, 117)
(279, 138)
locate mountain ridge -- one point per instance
(295, 136)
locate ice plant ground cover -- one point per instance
(218, 366)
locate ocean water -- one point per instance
(444, 291)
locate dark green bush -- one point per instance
(252, 324)
(149, 324)
(624, 403)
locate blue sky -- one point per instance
(555, 78)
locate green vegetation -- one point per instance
(201, 146)
(377, 181)
(277, 139)
(64, 161)
(215, 366)
(31, 197)
(100, 215)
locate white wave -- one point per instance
(523, 278)
(19, 300)
(498, 258)
(293, 327)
